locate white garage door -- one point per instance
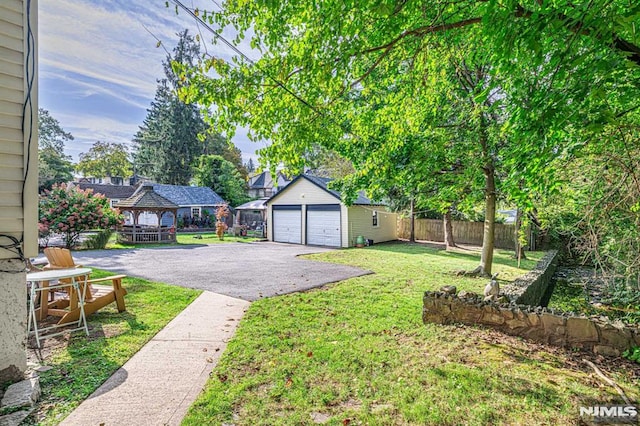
(323, 227)
(287, 226)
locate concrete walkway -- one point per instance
(159, 383)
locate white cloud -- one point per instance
(100, 49)
(110, 46)
(84, 89)
(88, 129)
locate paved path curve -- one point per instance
(247, 271)
(159, 383)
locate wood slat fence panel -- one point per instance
(463, 232)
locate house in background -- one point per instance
(307, 212)
(107, 180)
(114, 193)
(262, 185)
(193, 202)
(18, 176)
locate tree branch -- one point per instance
(418, 32)
(623, 46)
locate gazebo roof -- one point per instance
(146, 199)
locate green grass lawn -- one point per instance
(81, 364)
(186, 238)
(357, 353)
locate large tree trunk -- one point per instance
(519, 248)
(412, 224)
(448, 230)
(488, 238)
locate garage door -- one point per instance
(323, 225)
(287, 224)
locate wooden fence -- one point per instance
(463, 232)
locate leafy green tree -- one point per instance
(523, 84)
(222, 176)
(53, 165)
(215, 144)
(71, 211)
(595, 215)
(327, 163)
(105, 159)
(50, 133)
(53, 168)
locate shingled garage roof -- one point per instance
(188, 195)
(113, 192)
(146, 198)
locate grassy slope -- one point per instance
(84, 363)
(357, 352)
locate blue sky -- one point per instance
(98, 65)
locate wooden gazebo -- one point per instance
(146, 200)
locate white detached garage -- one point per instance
(307, 212)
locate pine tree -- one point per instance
(250, 166)
(167, 143)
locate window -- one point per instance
(375, 218)
(116, 181)
(195, 212)
(114, 201)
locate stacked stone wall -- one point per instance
(535, 287)
(598, 335)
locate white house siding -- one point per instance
(361, 223)
(18, 214)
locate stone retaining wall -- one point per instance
(533, 288)
(597, 335)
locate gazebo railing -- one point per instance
(146, 234)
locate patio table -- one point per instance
(74, 282)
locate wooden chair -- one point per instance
(96, 296)
(59, 258)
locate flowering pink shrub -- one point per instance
(70, 211)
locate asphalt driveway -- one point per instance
(247, 271)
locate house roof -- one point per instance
(263, 180)
(146, 198)
(321, 182)
(260, 204)
(118, 192)
(185, 196)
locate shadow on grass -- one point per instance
(428, 248)
(469, 380)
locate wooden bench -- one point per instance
(96, 296)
